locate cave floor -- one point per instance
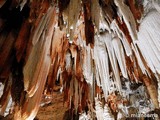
(54, 110)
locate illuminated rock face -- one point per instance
(103, 54)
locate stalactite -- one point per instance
(30, 79)
(89, 28)
(127, 17)
(21, 41)
(103, 53)
(5, 98)
(95, 13)
(70, 16)
(152, 91)
(101, 60)
(2, 3)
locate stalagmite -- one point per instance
(107, 115)
(99, 109)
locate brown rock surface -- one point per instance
(54, 110)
